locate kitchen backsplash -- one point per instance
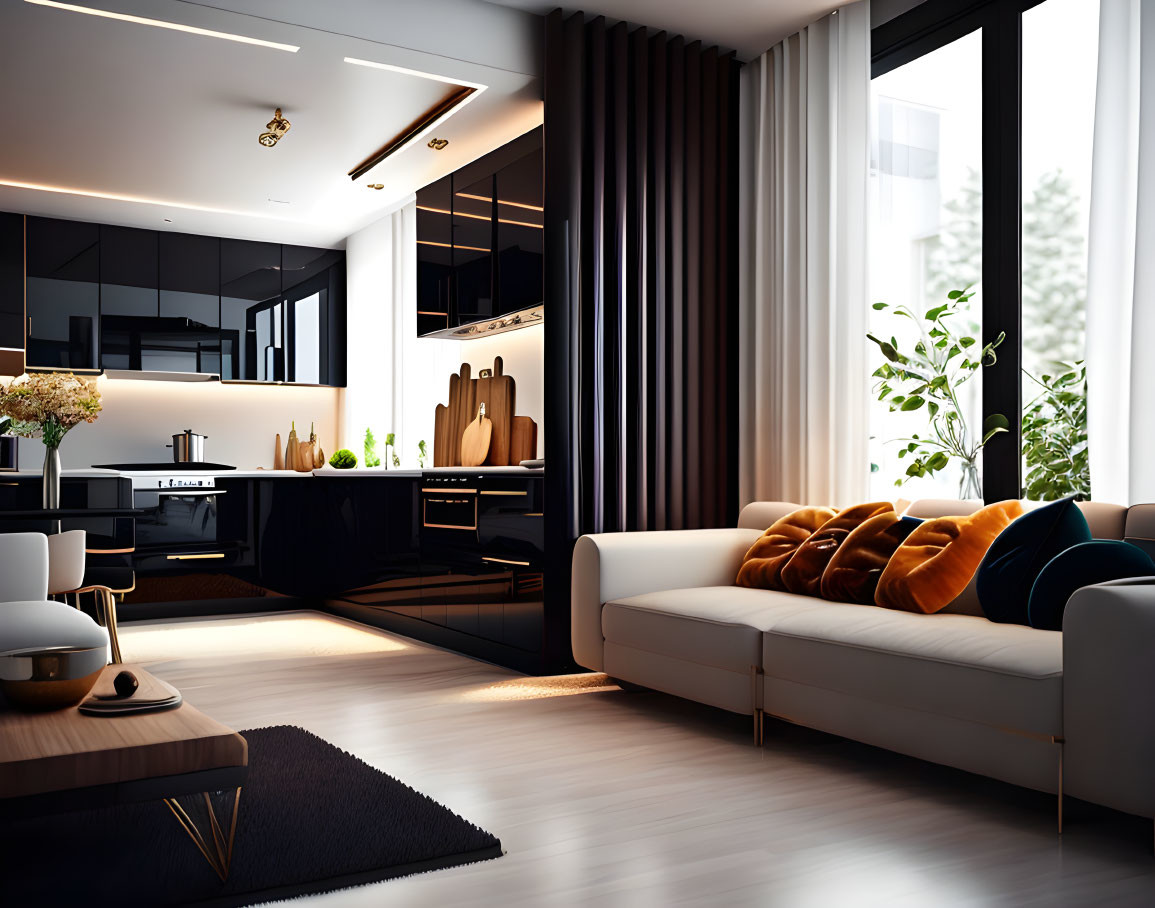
(241, 422)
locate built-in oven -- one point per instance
(179, 527)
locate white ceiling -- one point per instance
(116, 108)
(746, 26)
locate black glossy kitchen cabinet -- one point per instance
(63, 294)
(252, 317)
(121, 298)
(480, 242)
(11, 294)
(434, 256)
(189, 306)
(312, 285)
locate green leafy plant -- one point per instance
(391, 446)
(928, 377)
(343, 459)
(1055, 436)
(422, 453)
(371, 458)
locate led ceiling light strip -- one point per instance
(415, 72)
(40, 187)
(160, 23)
(464, 93)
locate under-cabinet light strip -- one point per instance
(479, 217)
(160, 23)
(483, 198)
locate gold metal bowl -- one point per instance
(54, 677)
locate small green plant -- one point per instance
(422, 453)
(371, 458)
(929, 376)
(343, 459)
(1055, 436)
(391, 445)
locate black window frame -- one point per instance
(920, 31)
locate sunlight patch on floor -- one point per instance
(539, 688)
(288, 636)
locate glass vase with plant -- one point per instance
(47, 405)
(928, 376)
(1055, 436)
(371, 458)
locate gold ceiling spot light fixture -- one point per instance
(277, 127)
(438, 144)
(375, 185)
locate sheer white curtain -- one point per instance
(1121, 267)
(803, 290)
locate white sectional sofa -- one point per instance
(1070, 711)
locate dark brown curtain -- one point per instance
(640, 228)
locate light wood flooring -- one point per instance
(607, 797)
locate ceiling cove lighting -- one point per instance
(160, 23)
(463, 92)
(87, 193)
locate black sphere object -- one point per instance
(125, 684)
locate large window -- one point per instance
(980, 187)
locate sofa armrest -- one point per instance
(1109, 695)
(609, 566)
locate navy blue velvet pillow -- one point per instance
(1020, 552)
(1079, 566)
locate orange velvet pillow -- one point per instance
(803, 572)
(853, 573)
(938, 559)
(762, 566)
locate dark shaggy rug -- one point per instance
(312, 819)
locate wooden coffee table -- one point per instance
(53, 762)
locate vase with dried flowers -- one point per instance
(47, 405)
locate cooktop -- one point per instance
(168, 467)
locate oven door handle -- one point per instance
(188, 493)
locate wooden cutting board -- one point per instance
(523, 443)
(500, 409)
(475, 440)
(441, 436)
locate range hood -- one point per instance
(135, 375)
(534, 315)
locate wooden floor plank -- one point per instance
(603, 797)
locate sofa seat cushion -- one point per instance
(1003, 675)
(718, 626)
(43, 623)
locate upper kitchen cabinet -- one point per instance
(11, 294)
(188, 325)
(480, 244)
(252, 316)
(434, 256)
(473, 229)
(128, 294)
(63, 293)
(520, 234)
(313, 294)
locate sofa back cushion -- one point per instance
(937, 561)
(761, 515)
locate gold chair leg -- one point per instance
(211, 838)
(113, 627)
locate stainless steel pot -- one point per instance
(188, 447)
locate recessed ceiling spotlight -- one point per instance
(277, 127)
(375, 185)
(160, 23)
(437, 144)
(168, 220)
